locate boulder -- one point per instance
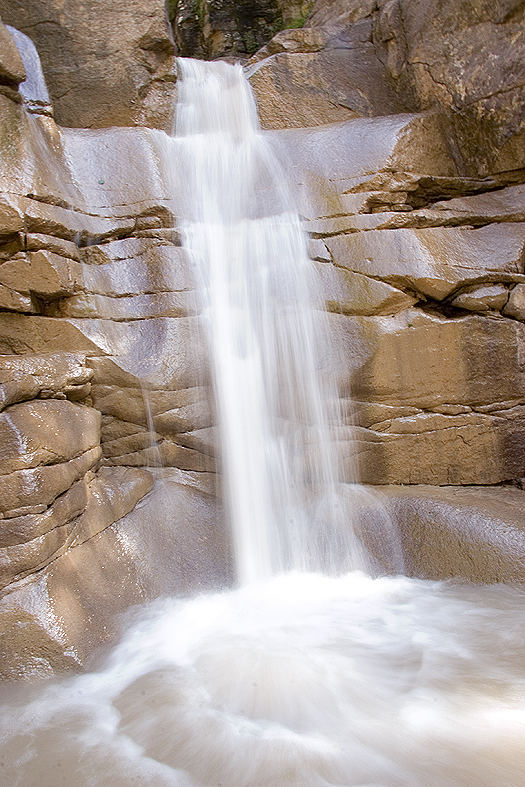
(14, 301)
(79, 515)
(482, 299)
(425, 360)
(428, 448)
(76, 602)
(437, 400)
(347, 292)
(433, 262)
(136, 307)
(468, 62)
(314, 88)
(32, 491)
(42, 273)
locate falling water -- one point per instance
(302, 680)
(266, 330)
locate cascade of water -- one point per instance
(33, 89)
(266, 331)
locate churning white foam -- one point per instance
(303, 680)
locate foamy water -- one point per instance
(303, 680)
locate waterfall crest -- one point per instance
(267, 334)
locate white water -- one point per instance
(267, 334)
(303, 681)
(300, 680)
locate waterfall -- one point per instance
(267, 333)
(303, 680)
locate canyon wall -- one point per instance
(401, 127)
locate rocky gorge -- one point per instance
(401, 125)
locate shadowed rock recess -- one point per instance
(401, 126)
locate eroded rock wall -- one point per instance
(96, 318)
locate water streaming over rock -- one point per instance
(267, 333)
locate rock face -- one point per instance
(422, 290)
(356, 58)
(105, 63)
(414, 201)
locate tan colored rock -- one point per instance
(441, 449)
(31, 491)
(32, 649)
(456, 369)
(202, 440)
(14, 301)
(164, 453)
(113, 493)
(329, 165)
(43, 273)
(11, 218)
(147, 268)
(438, 56)
(352, 293)
(315, 88)
(69, 224)
(194, 415)
(104, 162)
(116, 63)
(25, 377)
(433, 261)
(326, 75)
(481, 299)
(303, 39)
(372, 414)
(424, 360)
(172, 411)
(75, 604)
(128, 443)
(12, 70)
(406, 200)
(473, 533)
(501, 205)
(20, 529)
(110, 495)
(36, 241)
(137, 307)
(516, 304)
(45, 432)
(446, 55)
